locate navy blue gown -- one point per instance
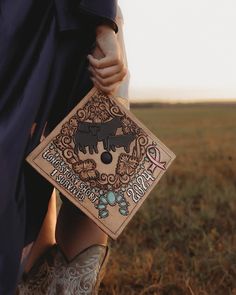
(43, 74)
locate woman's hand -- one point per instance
(106, 63)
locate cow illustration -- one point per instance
(90, 128)
(89, 134)
(108, 129)
(120, 141)
(83, 139)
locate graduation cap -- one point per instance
(103, 159)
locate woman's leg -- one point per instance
(76, 232)
(46, 237)
(67, 269)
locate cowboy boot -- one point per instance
(53, 274)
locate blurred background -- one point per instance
(181, 51)
(182, 62)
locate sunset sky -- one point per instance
(181, 50)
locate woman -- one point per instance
(46, 49)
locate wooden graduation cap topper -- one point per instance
(103, 160)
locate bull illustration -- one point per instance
(83, 139)
(108, 129)
(89, 134)
(120, 141)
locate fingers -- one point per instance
(106, 64)
(107, 79)
(111, 82)
(112, 75)
(111, 89)
(107, 72)
(107, 61)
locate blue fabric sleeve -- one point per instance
(106, 10)
(73, 14)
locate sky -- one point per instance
(181, 50)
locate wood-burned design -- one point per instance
(102, 121)
(103, 160)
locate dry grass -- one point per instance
(183, 240)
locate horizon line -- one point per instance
(182, 101)
(182, 94)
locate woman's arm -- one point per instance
(106, 63)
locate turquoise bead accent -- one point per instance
(123, 212)
(119, 198)
(111, 198)
(103, 213)
(123, 204)
(103, 200)
(101, 206)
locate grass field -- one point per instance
(183, 239)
